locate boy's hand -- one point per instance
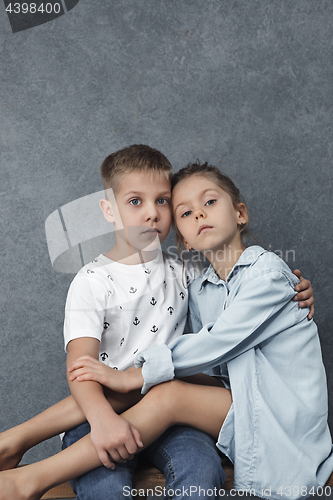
(115, 439)
(306, 293)
(88, 368)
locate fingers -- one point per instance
(305, 300)
(104, 457)
(297, 273)
(304, 295)
(308, 303)
(119, 455)
(127, 447)
(85, 368)
(109, 457)
(84, 374)
(304, 285)
(83, 361)
(311, 313)
(137, 437)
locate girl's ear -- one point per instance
(186, 245)
(106, 208)
(242, 215)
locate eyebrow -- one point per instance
(201, 194)
(139, 193)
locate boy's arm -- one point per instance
(91, 394)
(88, 368)
(111, 435)
(305, 293)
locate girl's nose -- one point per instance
(200, 214)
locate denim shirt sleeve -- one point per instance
(252, 317)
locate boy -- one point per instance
(124, 301)
(146, 304)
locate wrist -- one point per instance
(99, 412)
(133, 380)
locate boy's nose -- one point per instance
(152, 213)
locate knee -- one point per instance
(166, 395)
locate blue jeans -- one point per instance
(186, 456)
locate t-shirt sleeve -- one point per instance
(85, 308)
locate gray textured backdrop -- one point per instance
(246, 85)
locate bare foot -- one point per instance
(10, 451)
(14, 485)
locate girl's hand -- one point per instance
(88, 368)
(306, 293)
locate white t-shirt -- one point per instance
(128, 308)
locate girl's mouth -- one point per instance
(204, 228)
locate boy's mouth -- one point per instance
(151, 230)
(202, 228)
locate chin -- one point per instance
(154, 245)
(146, 244)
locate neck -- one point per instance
(224, 259)
(126, 254)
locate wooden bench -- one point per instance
(147, 477)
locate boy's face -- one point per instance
(141, 210)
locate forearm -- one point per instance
(88, 395)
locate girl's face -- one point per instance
(205, 215)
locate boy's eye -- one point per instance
(135, 201)
(162, 201)
(210, 202)
(186, 214)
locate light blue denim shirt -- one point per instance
(248, 330)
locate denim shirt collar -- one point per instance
(248, 257)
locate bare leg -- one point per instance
(60, 417)
(179, 402)
(175, 402)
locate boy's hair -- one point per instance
(214, 174)
(135, 158)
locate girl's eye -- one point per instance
(210, 202)
(135, 202)
(186, 214)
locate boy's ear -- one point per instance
(106, 208)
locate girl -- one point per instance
(267, 402)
